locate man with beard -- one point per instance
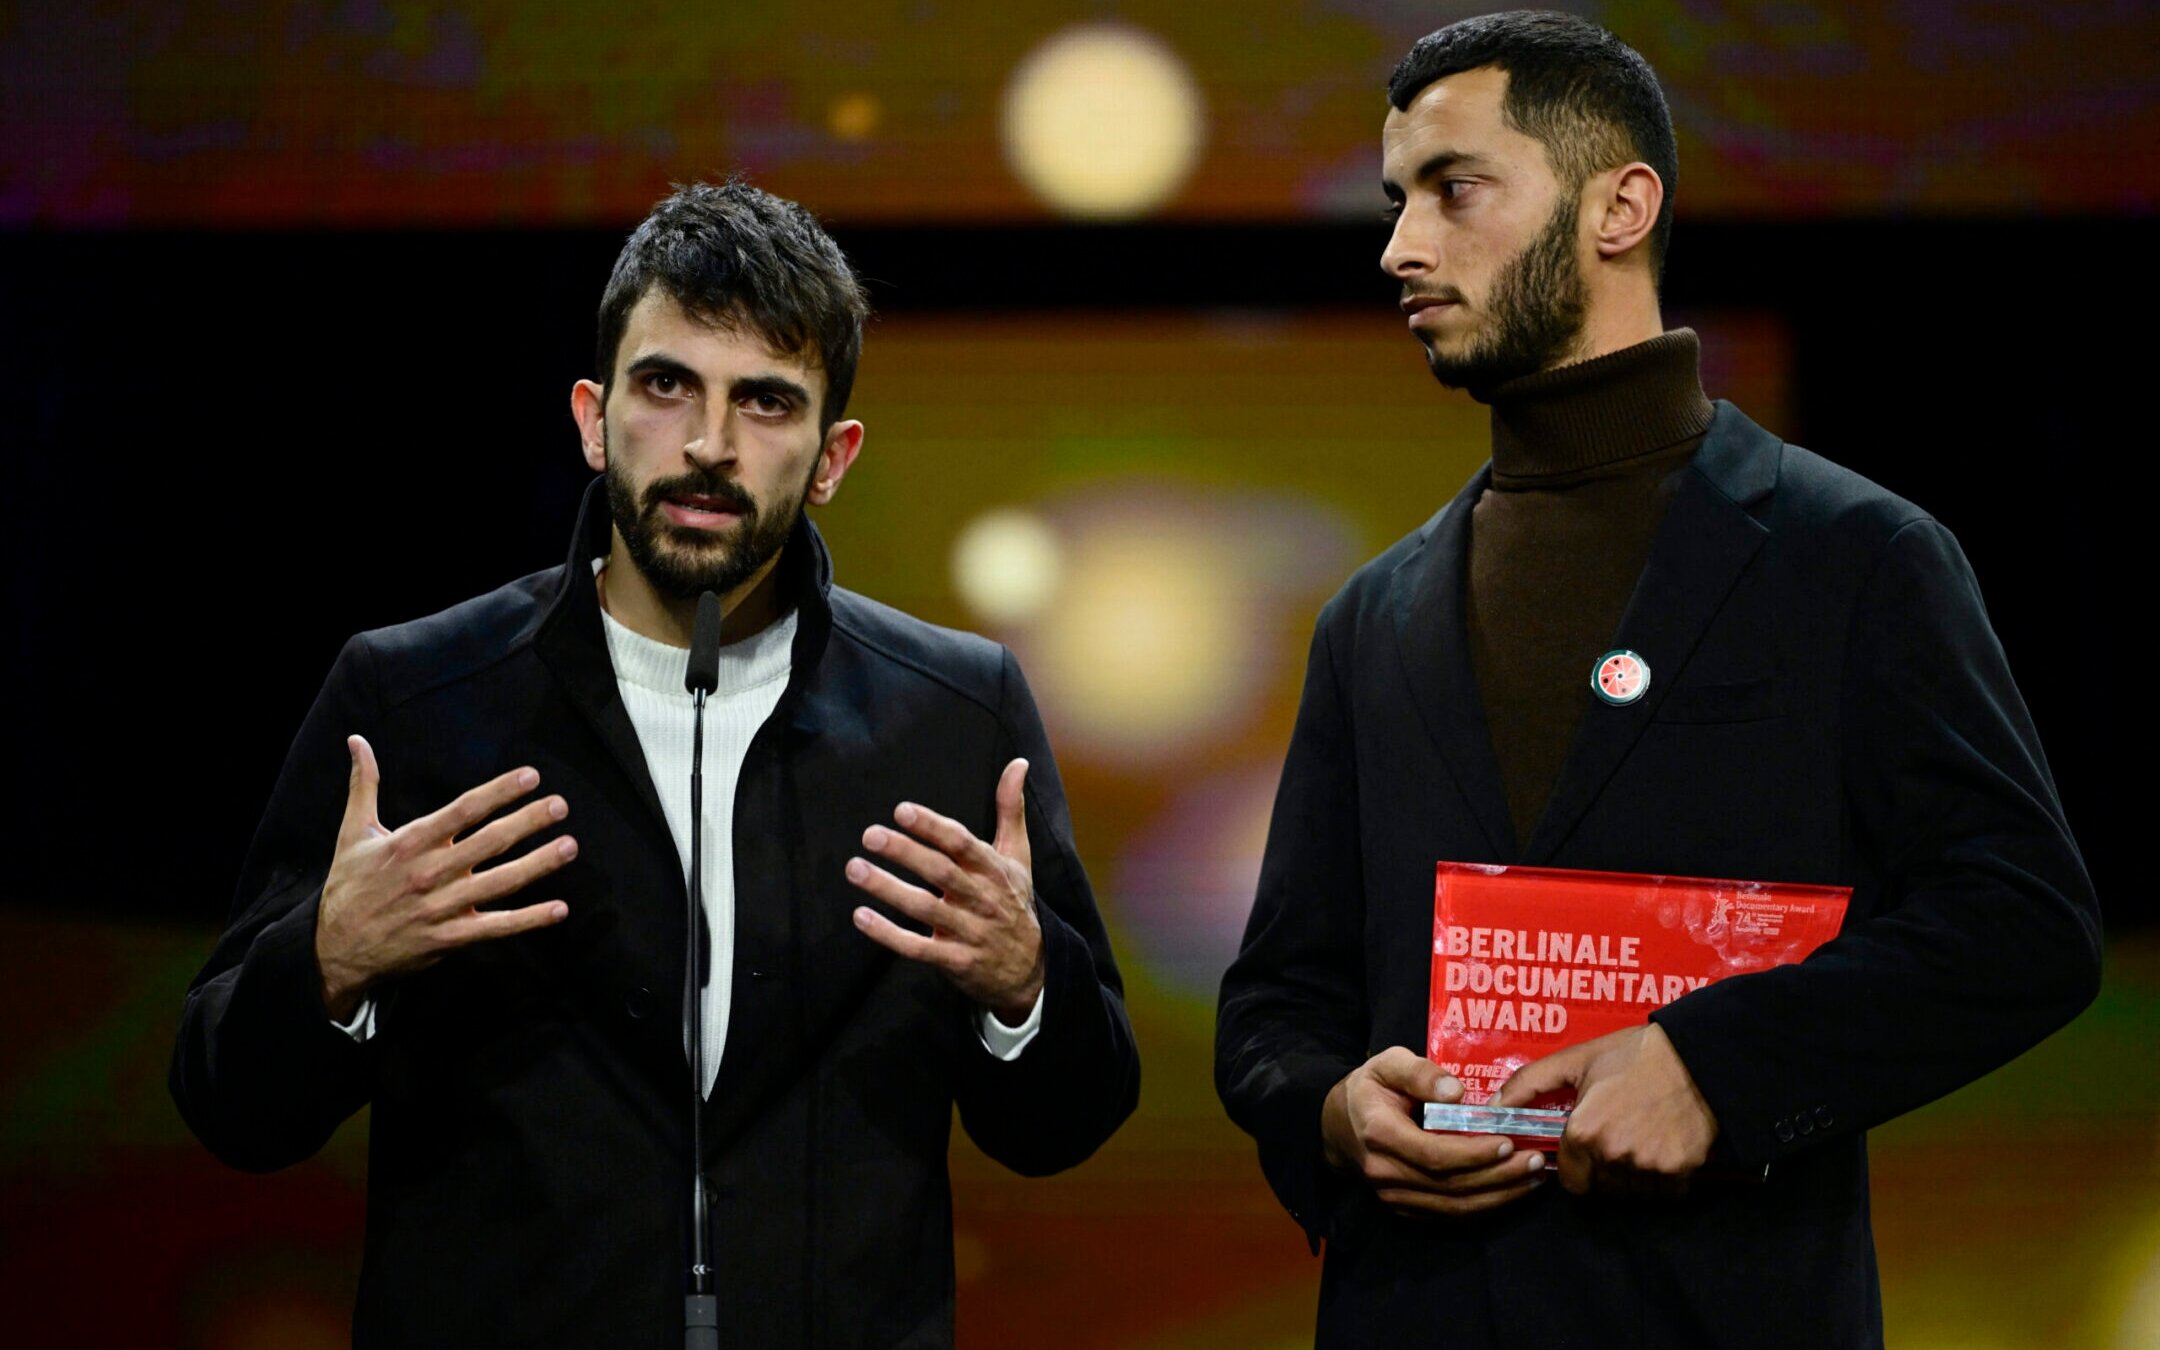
(894, 920)
(1821, 700)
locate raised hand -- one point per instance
(1640, 1126)
(399, 900)
(1368, 1127)
(984, 935)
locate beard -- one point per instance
(681, 563)
(1534, 315)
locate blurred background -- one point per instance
(292, 294)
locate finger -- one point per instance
(361, 791)
(949, 882)
(894, 938)
(1610, 1178)
(506, 878)
(1406, 1201)
(936, 869)
(1012, 832)
(1406, 1071)
(1557, 1072)
(498, 836)
(1440, 1154)
(1577, 1167)
(1483, 1165)
(487, 925)
(472, 806)
(1518, 1165)
(913, 901)
(948, 836)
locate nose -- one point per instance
(714, 447)
(1410, 251)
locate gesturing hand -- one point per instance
(1640, 1126)
(1367, 1127)
(983, 932)
(399, 900)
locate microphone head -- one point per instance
(704, 673)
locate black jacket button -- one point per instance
(1804, 1123)
(1824, 1118)
(640, 1003)
(1784, 1131)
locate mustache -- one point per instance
(1447, 294)
(726, 491)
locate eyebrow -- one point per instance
(1437, 163)
(751, 386)
(660, 363)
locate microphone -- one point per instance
(704, 674)
(701, 1309)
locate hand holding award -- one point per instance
(1639, 1126)
(1367, 1126)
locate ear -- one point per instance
(842, 443)
(588, 404)
(1623, 208)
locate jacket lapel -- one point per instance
(1704, 544)
(797, 954)
(574, 648)
(1432, 639)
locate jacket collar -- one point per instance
(1432, 636)
(1704, 544)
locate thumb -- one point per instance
(1555, 1073)
(360, 790)
(1415, 1076)
(1012, 834)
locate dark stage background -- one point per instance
(291, 328)
(244, 446)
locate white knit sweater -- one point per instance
(753, 675)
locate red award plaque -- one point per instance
(1529, 960)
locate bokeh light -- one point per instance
(1151, 646)
(1103, 121)
(1007, 564)
(854, 117)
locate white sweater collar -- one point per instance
(651, 664)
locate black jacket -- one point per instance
(1827, 704)
(529, 1144)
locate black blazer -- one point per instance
(529, 1154)
(1827, 704)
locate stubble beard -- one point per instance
(1535, 314)
(679, 563)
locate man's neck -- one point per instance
(1615, 322)
(628, 596)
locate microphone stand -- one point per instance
(701, 1308)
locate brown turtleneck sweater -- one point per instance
(1583, 468)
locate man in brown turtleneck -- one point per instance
(1816, 696)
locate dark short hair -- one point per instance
(1586, 96)
(731, 253)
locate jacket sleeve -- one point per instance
(1292, 1019)
(259, 1072)
(1078, 1080)
(1988, 934)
